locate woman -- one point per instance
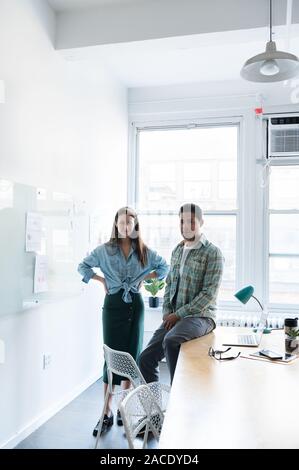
(125, 262)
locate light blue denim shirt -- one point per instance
(121, 273)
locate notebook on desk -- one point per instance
(250, 339)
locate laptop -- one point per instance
(250, 339)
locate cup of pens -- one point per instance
(291, 331)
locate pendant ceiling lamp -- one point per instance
(272, 65)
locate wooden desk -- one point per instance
(242, 403)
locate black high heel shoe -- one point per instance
(107, 423)
(119, 419)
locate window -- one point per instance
(196, 164)
(284, 235)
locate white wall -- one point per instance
(214, 96)
(63, 126)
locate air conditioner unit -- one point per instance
(283, 136)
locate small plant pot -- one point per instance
(153, 302)
(292, 345)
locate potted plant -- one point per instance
(292, 341)
(153, 286)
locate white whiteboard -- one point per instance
(65, 242)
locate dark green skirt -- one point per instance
(123, 326)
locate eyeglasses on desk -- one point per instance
(218, 354)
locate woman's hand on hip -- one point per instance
(105, 285)
(152, 275)
(102, 280)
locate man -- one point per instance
(189, 307)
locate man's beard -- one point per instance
(189, 239)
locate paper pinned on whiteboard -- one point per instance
(33, 231)
(41, 274)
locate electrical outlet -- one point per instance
(47, 361)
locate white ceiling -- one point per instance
(198, 58)
(67, 5)
(211, 57)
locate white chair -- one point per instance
(140, 410)
(122, 364)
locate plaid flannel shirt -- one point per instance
(195, 292)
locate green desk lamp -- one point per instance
(244, 295)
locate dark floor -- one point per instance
(72, 427)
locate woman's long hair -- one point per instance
(141, 248)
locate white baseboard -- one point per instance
(47, 414)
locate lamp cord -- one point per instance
(270, 20)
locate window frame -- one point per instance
(241, 224)
(275, 307)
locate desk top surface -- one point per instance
(243, 403)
